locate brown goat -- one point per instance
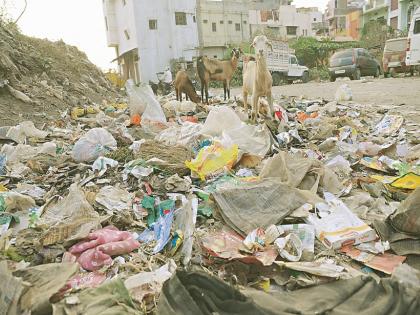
(183, 84)
(216, 70)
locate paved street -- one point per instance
(399, 95)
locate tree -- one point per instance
(313, 53)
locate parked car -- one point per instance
(413, 46)
(353, 63)
(393, 60)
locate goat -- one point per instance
(183, 84)
(215, 70)
(257, 79)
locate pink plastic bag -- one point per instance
(96, 251)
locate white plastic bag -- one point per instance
(142, 101)
(220, 119)
(95, 143)
(23, 130)
(289, 247)
(343, 93)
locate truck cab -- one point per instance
(296, 71)
(284, 66)
(413, 45)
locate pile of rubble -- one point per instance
(168, 207)
(40, 78)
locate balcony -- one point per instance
(375, 5)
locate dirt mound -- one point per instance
(52, 76)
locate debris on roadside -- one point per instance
(119, 217)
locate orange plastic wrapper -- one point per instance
(135, 120)
(229, 245)
(192, 119)
(383, 262)
(302, 116)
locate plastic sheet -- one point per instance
(213, 159)
(142, 101)
(96, 142)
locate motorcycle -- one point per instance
(160, 88)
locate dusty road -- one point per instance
(398, 95)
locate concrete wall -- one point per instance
(354, 24)
(227, 15)
(214, 52)
(302, 19)
(403, 8)
(121, 18)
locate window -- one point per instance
(237, 26)
(244, 22)
(127, 35)
(205, 21)
(314, 19)
(153, 24)
(393, 22)
(291, 30)
(106, 23)
(215, 57)
(213, 27)
(124, 2)
(230, 22)
(394, 5)
(194, 19)
(221, 22)
(293, 60)
(180, 18)
(416, 29)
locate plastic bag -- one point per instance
(343, 93)
(220, 119)
(213, 159)
(143, 102)
(369, 148)
(289, 247)
(95, 143)
(3, 160)
(23, 130)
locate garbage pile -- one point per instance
(167, 207)
(39, 79)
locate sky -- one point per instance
(80, 23)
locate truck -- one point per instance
(284, 66)
(413, 45)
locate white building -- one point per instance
(148, 35)
(221, 23)
(285, 21)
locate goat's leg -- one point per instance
(255, 107)
(270, 103)
(207, 92)
(202, 92)
(177, 93)
(228, 88)
(245, 97)
(224, 90)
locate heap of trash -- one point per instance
(39, 79)
(165, 207)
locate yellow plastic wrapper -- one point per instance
(408, 181)
(77, 112)
(213, 159)
(120, 106)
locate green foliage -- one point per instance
(313, 53)
(319, 74)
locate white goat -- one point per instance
(257, 79)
